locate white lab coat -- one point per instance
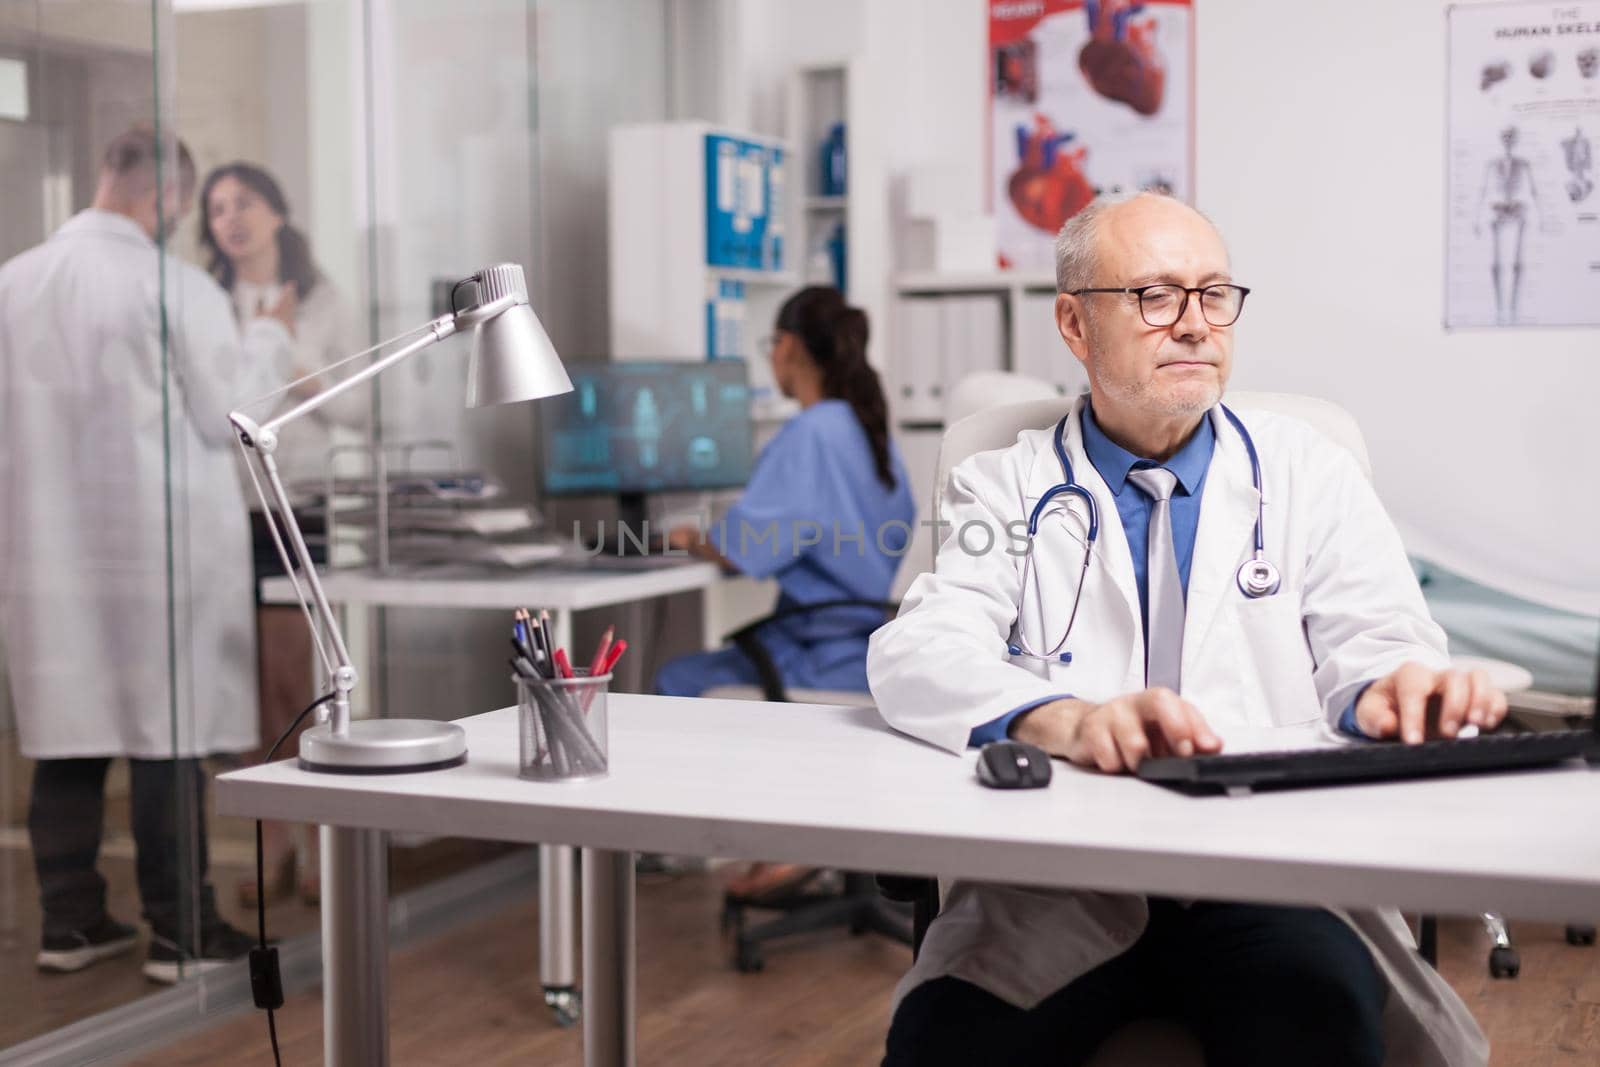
(1349, 611)
(88, 457)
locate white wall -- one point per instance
(1326, 173)
(240, 94)
(1320, 144)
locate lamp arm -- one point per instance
(437, 331)
(325, 632)
(433, 332)
(259, 441)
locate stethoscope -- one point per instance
(1257, 577)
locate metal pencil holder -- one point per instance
(562, 728)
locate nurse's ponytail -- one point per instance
(835, 335)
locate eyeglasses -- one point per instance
(1163, 305)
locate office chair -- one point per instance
(857, 906)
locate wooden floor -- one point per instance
(36, 1003)
(471, 997)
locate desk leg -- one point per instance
(558, 899)
(608, 958)
(558, 926)
(355, 947)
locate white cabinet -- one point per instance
(700, 243)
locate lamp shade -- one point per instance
(512, 357)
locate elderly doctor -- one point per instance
(112, 471)
(1168, 655)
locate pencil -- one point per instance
(600, 651)
(544, 628)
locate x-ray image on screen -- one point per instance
(637, 427)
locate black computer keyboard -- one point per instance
(1370, 762)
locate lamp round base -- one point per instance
(384, 746)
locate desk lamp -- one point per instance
(512, 360)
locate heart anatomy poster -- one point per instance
(1086, 96)
(1523, 229)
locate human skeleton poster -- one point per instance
(1523, 227)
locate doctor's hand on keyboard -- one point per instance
(1415, 703)
(1116, 735)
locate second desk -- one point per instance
(562, 588)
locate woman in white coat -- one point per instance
(258, 256)
(124, 551)
(1025, 976)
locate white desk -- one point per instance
(562, 589)
(832, 786)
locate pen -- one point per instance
(533, 682)
(563, 664)
(585, 750)
(570, 740)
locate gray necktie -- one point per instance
(1164, 632)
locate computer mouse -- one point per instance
(1013, 765)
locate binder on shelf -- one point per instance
(972, 329)
(919, 363)
(725, 319)
(744, 203)
(1038, 350)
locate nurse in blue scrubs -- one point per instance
(828, 511)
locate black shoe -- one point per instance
(65, 953)
(220, 945)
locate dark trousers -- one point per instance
(1257, 985)
(65, 815)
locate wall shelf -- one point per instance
(784, 279)
(820, 97)
(911, 283)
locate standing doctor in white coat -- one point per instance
(124, 552)
(1167, 656)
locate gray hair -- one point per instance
(1076, 253)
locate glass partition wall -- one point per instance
(312, 174)
(117, 503)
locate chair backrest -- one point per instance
(997, 426)
(992, 388)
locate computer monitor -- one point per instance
(632, 427)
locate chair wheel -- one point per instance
(1504, 963)
(1580, 935)
(748, 959)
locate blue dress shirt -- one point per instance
(1113, 462)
